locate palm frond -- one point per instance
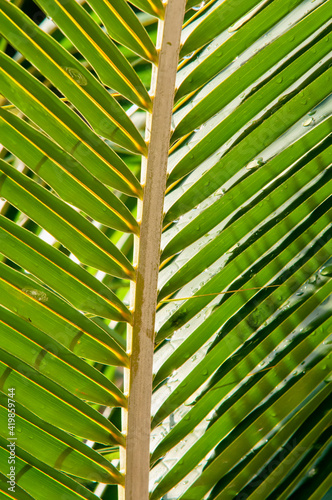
(217, 261)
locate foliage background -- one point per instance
(294, 312)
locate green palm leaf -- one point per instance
(18, 494)
(214, 268)
(41, 479)
(39, 304)
(51, 358)
(58, 449)
(78, 186)
(109, 63)
(122, 25)
(65, 127)
(76, 83)
(61, 274)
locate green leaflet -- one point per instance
(192, 3)
(221, 276)
(207, 67)
(49, 313)
(21, 339)
(153, 7)
(55, 447)
(65, 127)
(17, 494)
(73, 80)
(212, 22)
(59, 272)
(313, 427)
(39, 479)
(210, 400)
(290, 399)
(240, 315)
(223, 206)
(43, 396)
(65, 175)
(210, 100)
(245, 151)
(111, 66)
(72, 229)
(219, 353)
(123, 25)
(313, 172)
(280, 409)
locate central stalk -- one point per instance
(138, 380)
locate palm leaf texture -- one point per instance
(180, 274)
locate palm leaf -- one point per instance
(65, 127)
(41, 479)
(217, 261)
(111, 66)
